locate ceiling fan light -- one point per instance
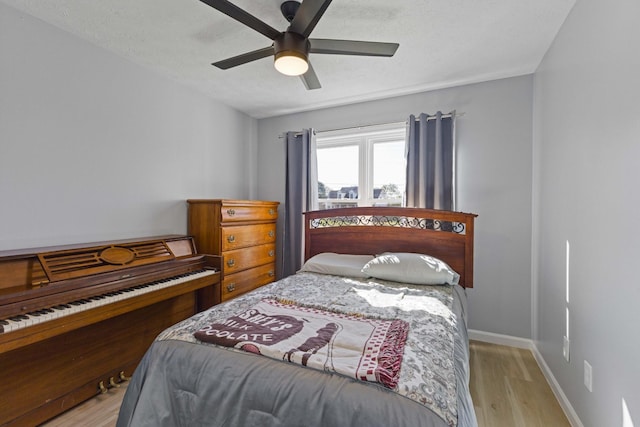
(291, 63)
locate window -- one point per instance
(362, 167)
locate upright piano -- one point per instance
(76, 320)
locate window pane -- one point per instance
(389, 173)
(338, 176)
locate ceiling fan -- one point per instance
(291, 48)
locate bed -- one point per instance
(393, 278)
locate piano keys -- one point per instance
(76, 320)
(42, 315)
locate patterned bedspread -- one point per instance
(427, 372)
(361, 347)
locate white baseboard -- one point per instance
(500, 339)
(571, 414)
(518, 342)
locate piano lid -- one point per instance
(61, 265)
(34, 268)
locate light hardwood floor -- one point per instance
(507, 387)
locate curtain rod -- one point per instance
(375, 124)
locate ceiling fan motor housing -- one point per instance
(291, 44)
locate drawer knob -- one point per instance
(231, 262)
(271, 211)
(271, 273)
(231, 212)
(271, 233)
(231, 239)
(271, 252)
(231, 287)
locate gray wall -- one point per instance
(494, 181)
(586, 168)
(93, 147)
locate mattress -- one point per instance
(182, 381)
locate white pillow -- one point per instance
(337, 264)
(417, 269)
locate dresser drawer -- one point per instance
(243, 259)
(245, 281)
(235, 213)
(242, 236)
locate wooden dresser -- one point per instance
(243, 232)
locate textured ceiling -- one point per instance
(442, 44)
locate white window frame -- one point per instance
(365, 138)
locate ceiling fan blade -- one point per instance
(352, 47)
(244, 58)
(244, 17)
(310, 79)
(307, 16)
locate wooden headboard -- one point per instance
(372, 230)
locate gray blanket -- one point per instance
(181, 381)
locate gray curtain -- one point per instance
(430, 161)
(301, 195)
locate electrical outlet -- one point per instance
(588, 376)
(565, 348)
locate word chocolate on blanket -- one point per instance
(367, 349)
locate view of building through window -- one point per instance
(362, 167)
